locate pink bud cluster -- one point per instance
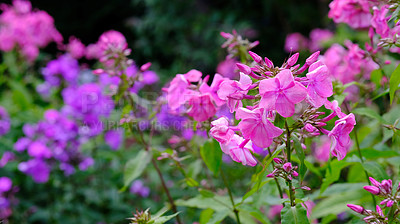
(384, 189)
(284, 170)
(372, 217)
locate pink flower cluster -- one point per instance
(356, 13)
(384, 190)
(348, 65)
(272, 91)
(297, 42)
(27, 29)
(199, 101)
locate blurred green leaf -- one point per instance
(333, 174)
(301, 156)
(394, 83)
(369, 113)
(212, 155)
(135, 167)
(375, 170)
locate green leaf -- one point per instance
(333, 174)
(254, 189)
(206, 215)
(375, 170)
(191, 182)
(279, 121)
(301, 156)
(212, 155)
(376, 77)
(206, 193)
(218, 216)
(135, 167)
(369, 113)
(394, 83)
(162, 219)
(216, 203)
(296, 215)
(21, 95)
(254, 212)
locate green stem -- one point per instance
(359, 151)
(288, 153)
(276, 180)
(153, 161)
(231, 197)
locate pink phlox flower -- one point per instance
(193, 75)
(239, 153)
(201, 107)
(255, 126)
(281, 93)
(340, 136)
(320, 84)
(178, 92)
(220, 130)
(213, 89)
(353, 12)
(233, 91)
(337, 111)
(76, 48)
(318, 37)
(380, 21)
(295, 42)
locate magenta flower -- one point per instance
(76, 48)
(340, 136)
(353, 12)
(220, 130)
(114, 138)
(39, 150)
(295, 42)
(239, 150)
(5, 184)
(379, 21)
(213, 89)
(177, 92)
(255, 126)
(201, 107)
(281, 93)
(320, 85)
(318, 37)
(233, 91)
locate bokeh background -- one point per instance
(183, 34)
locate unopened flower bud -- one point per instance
(379, 210)
(226, 35)
(278, 160)
(255, 57)
(145, 66)
(295, 174)
(356, 208)
(374, 182)
(269, 63)
(98, 71)
(372, 189)
(387, 186)
(244, 68)
(287, 167)
(306, 188)
(271, 175)
(292, 60)
(313, 58)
